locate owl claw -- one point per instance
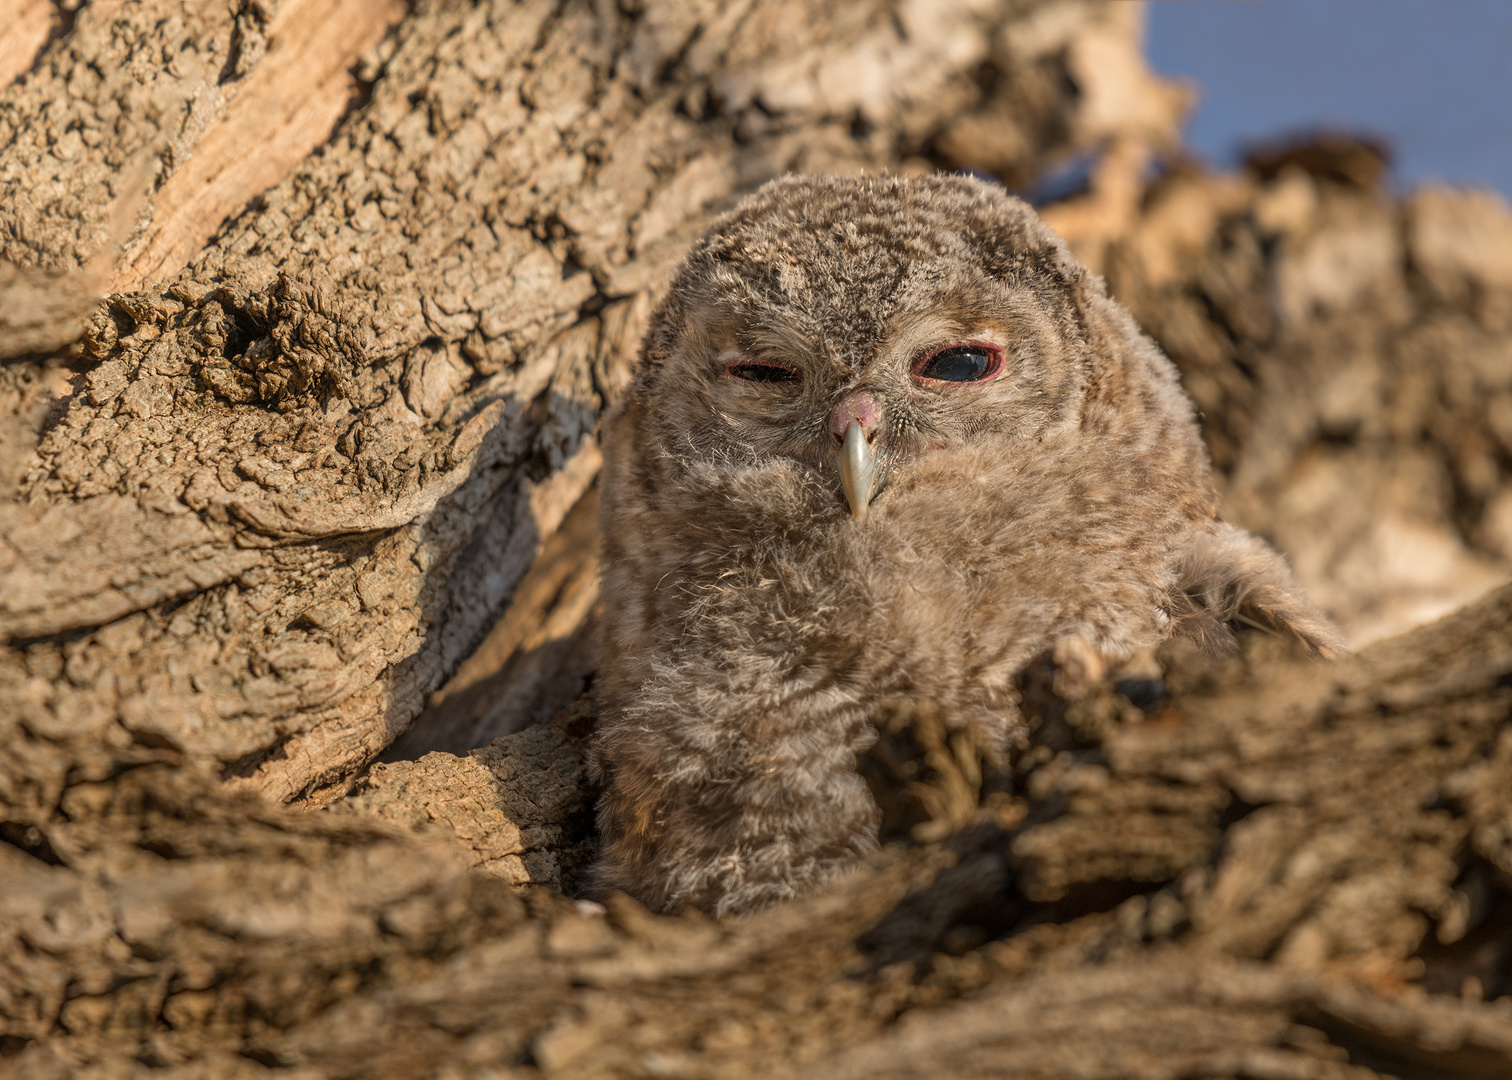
(858, 471)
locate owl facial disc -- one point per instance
(858, 471)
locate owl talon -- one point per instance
(858, 471)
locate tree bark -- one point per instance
(1282, 869)
(309, 311)
(285, 489)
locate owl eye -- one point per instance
(961, 364)
(764, 373)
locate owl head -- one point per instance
(857, 324)
(898, 340)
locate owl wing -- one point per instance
(1229, 576)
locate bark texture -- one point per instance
(301, 512)
(1281, 869)
(294, 482)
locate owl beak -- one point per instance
(858, 471)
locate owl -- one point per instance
(886, 439)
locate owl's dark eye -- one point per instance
(766, 373)
(961, 364)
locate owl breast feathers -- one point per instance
(887, 438)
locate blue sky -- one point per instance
(1434, 78)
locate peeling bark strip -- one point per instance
(29, 25)
(286, 106)
(292, 486)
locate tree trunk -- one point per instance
(292, 475)
(309, 312)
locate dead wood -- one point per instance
(1282, 869)
(291, 485)
(322, 463)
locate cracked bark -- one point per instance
(1282, 869)
(322, 464)
(289, 485)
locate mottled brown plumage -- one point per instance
(1025, 476)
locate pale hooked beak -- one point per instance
(858, 471)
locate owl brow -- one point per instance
(777, 338)
(919, 334)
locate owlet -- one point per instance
(887, 438)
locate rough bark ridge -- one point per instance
(331, 430)
(1282, 869)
